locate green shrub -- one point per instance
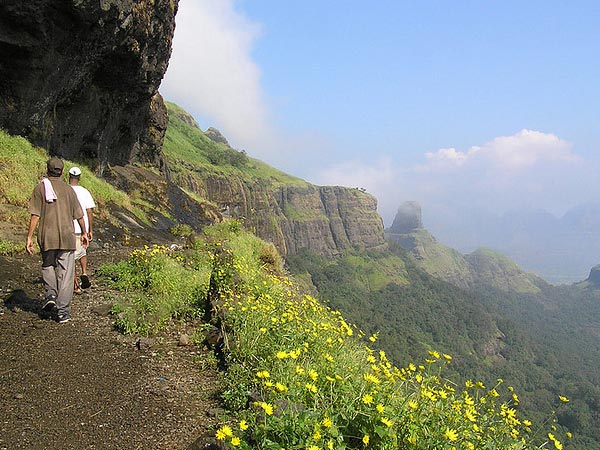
(159, 286)
(10, 248)
(181, 230)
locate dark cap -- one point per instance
(55, 166)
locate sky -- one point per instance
(454, 104)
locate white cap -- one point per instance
(75, 171)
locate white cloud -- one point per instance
(446, 158)
(212, 74)
(518, 152)
(528, 148)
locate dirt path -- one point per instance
(81, 385)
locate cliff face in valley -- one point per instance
(291, 213)
(323, 219)
(81, 78)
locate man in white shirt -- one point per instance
(87, 205)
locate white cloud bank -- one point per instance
(520, 151)
(528, 169)
(212, 74)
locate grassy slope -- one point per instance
(189, 150)
(22, 166)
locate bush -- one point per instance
(160, 286)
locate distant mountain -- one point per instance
(560, 250)
(481, 267)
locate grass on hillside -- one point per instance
(299, 376)
(23, 165)
(190, 151)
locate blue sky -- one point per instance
(453, 104)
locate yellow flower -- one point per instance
(313, 375)
(282, 355)
(235, 441)
(220, 435)
(224, 432)
(243, 425)
(412, 404)
(268, 409)
(367, 399)
(434, 354)
(311, 387)
(263, 374)
(563, 399)
(371, 378)
(327, 422)
(386, 421)
(373, 337)
(412, 440)
(447, 357)
(365, 439)
(451, 435)
(313, 447)
(280, 387)
(380, 408)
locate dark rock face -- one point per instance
(81, 77)
(594, 277)
(408, 218)
(215, 135)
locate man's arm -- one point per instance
(32, 225)
(90, 216)
(84, 236)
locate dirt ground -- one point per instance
(82, 385)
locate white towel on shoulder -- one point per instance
(49, 191)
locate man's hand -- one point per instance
(90, 235)
(85, 240)
(29, 245)
(33, 221)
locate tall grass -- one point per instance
(300, 377)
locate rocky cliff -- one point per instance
(291, 213)
(322, 219)
(481, 267)
(81, 77)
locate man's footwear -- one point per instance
(85, 281)
(64, 319)
(77, 290)
(50, 303)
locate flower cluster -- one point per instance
(320, 387)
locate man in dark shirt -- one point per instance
(54, 206)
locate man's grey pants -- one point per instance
(58, 273)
